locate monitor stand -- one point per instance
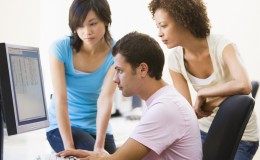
(1, 130)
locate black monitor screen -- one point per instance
(22, 90)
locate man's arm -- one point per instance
(131, 150)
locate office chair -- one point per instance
(227, 128)
(255, 86)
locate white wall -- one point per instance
(39, 22)
(240, 21)
(54, 24)
(20, 22)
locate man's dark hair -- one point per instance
(140, 48)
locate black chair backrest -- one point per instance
(227, 128)
(255, 86)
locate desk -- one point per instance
(27, 146)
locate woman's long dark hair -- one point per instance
(78, 12)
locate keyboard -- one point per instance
(54, 157)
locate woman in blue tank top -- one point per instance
(82, 71)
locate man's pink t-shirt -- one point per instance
(169, 127)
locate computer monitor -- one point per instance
(22, 98)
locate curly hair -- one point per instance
(191, 14)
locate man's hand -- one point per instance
(83, 154)
(75, 152)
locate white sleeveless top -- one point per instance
(221, 75)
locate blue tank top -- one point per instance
(83, 89)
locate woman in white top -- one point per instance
(211, 63)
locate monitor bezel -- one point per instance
(11, 115)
